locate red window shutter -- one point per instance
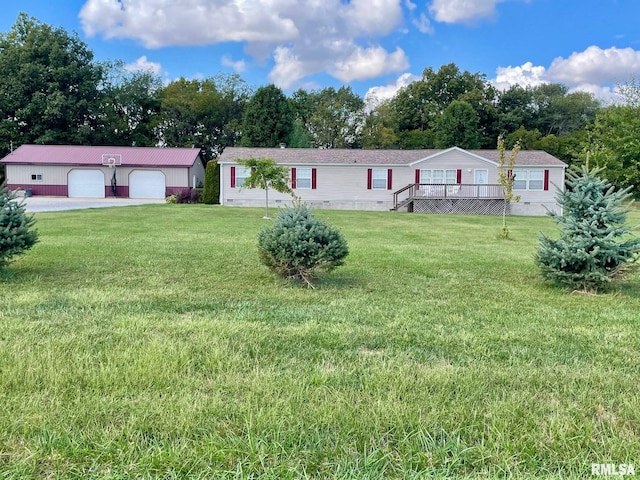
(459, 176)
(509, 173)
(369, 178)
(389, 179)
(417, 175)
(313, 178)
(546, 179)
(233, 177)
(293, 177)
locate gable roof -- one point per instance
(92, 155)
(312, 156)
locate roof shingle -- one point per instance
(372, 157)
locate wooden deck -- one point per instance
(477, 199)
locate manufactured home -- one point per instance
(430, 181)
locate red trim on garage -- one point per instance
(51, 190)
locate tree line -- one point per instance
(52, 91)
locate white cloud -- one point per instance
(302, 37)
(376, 95)
(607, 94)
(526, 75)
(410, 5)
(423, 24)
(462, 11)
(158, 23)
(144, 65)
(593, 70)
(238, 66)
(366, 63)
(595, 65)
(288, 69)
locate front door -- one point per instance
(481, 177)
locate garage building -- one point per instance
(102, 171)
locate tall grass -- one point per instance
(149, 342)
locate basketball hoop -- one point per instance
(112, 160)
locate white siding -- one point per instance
(51, 175)
(57, 174)
(345, 186)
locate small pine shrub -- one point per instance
(298, 246)
(16, 235)
(595, 245)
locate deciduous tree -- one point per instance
(506, 178)
(336, 119)
(48, 85)
(130, 107)
(268, 118)
(203, 113)
(457, 126)
(266, 174)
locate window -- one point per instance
(536, 179)
(379, 178)
(425, 176)
(242, 173)
(520, 180)
(36, 176)
(439, 176)
(529, 179)
(303, 178)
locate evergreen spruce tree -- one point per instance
(16, 235)
(595, 245)
(298, 245)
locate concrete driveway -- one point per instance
(41, 203)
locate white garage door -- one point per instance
(146, 184)
(86, 183)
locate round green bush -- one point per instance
(298, 246)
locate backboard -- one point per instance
(111, 159)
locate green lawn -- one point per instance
(149, 342)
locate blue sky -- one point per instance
(374, 46)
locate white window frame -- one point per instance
(534, 182)
(379, 178)
(528, 179)
(242, 173)
(425, 176)
(303, 178)
(36, 177)
(449, 176)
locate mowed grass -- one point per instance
(148, 342)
